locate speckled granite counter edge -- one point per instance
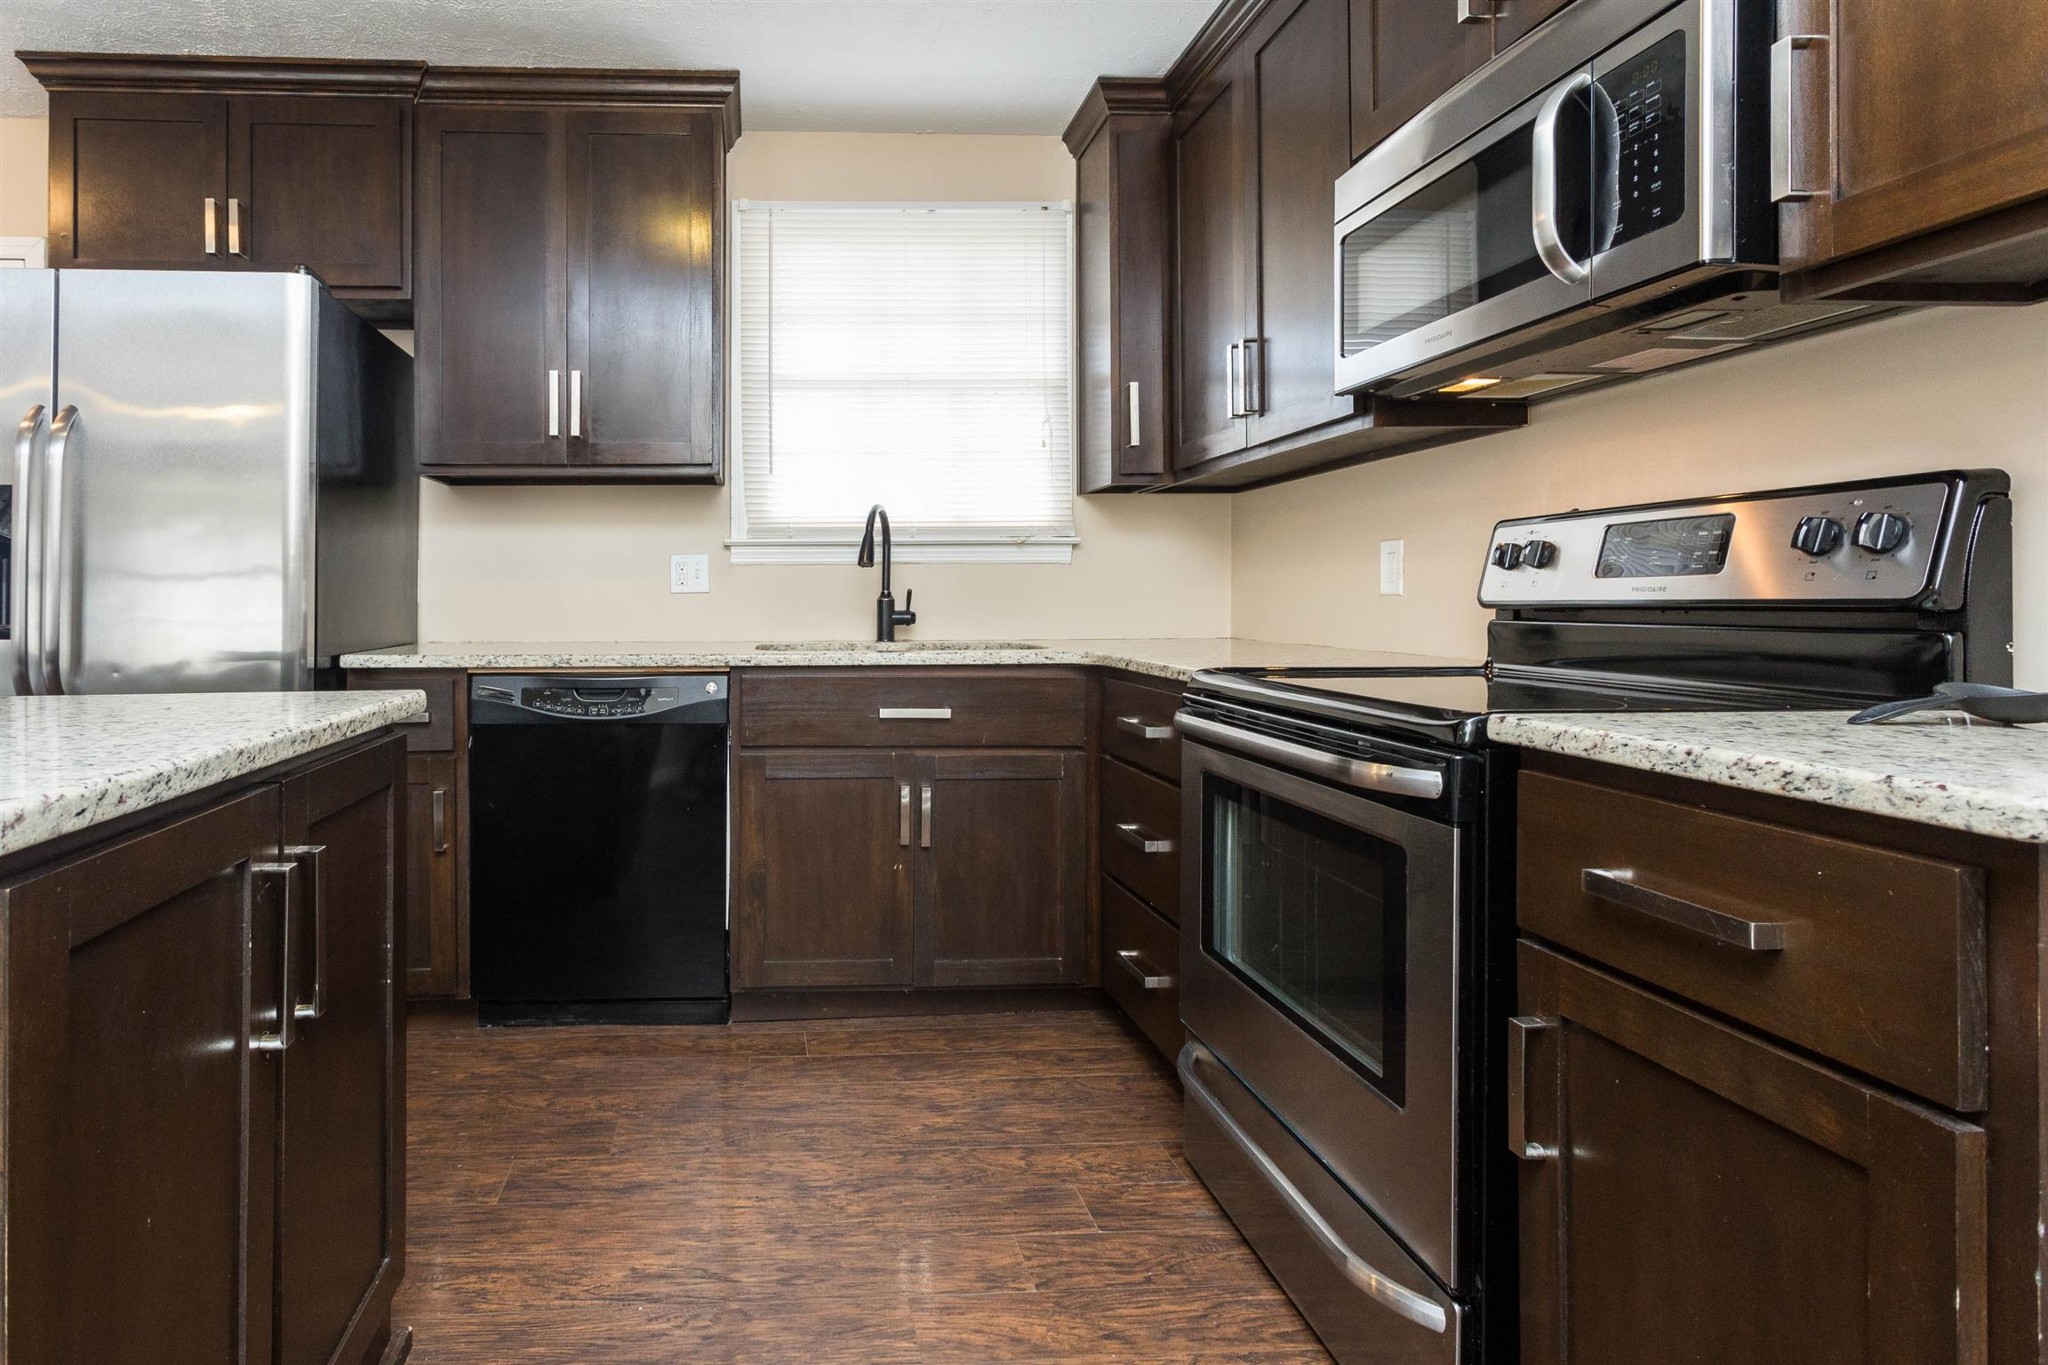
(633, 659)
(1981, 810)
(67, 807)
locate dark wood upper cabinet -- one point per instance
(1211, 270)
(1512, 19)
(1404, 53)
(1919, 141)
(572, 261)
(235, 164)
(1690, 1192)
(1002, 870)
(822, 881)
(1121, 143)
(1296, 63)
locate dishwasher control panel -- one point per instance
(597, 698)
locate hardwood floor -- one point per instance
(884, 1191)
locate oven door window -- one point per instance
(1310, 914)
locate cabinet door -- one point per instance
(1300, 78)
(1880, 167)
(433, 823)
(493, 363)
(822, 898)
(1404, 53)
(1691, 1193)
(139, 1116)
(341, 1192)
(1514, 18)
(1002, 859)
(138, 180)
(1121, 237)
(646, 251)
(322, 183)
(1212, 241)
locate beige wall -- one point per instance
(1951, 387)
(24, 177)
(592, 563)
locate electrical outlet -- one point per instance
(1392, 552)
(689, 573)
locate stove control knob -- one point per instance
(1506, 555)
(1881, 532)
(1539, 554)
(1817, 536)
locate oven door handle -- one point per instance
(1392, 778)
(1395, 1297)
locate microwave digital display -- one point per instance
(1676, 547)
(1649, 122)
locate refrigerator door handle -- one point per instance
(56, 632)
(25, 583)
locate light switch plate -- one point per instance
(689, 573)
(1392, 553)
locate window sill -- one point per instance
(904, 551)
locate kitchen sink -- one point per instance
(892, 646)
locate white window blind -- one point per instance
(919, 356)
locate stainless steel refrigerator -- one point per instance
(213, 486)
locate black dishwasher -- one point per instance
(598, 849)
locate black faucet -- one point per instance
(887, 618)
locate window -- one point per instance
(915, 355)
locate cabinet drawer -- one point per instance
(1140, 835)
(1137, 726)
(432, 732)
(1141, 966)
(1870, 957)
(905, 708)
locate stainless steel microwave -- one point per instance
(1610, 171)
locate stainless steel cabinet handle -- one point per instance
(1131, 400)
(554, 402)
(423, 718)
(56, 626)
(1233, 377)
(25, 585)
(1543, 183)
(1475, 11)
(1136, 725)
(1388, 1293)
(1252, 383)
(924, 832)
(1784, 182)
(1520, 1030)
(575, 402)
(212, 228)
(914, 713)
(1147, 978)
(440, 807)
(1618, 886)
(1391, 778)
(903, 815)
(1137, 838)
(235, 229)
(309, 856)
(287, 875)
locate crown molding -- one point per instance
(595, 86)
(138, 71)
(1115, 95)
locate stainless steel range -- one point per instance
(1347, 967)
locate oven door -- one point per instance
(1319, 964)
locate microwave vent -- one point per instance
(1767, 321)
(1661, 357)
(1535, 385)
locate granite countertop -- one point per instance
(1979, 778)
(67, 763)
(1173, 659)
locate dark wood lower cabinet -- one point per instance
(434, 818)
(203, 1083)
(893, 868)
(1693, 1193)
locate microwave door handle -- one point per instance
(1543, 184)
(25, 583)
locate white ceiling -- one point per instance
(937, 66)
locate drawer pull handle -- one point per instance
(1132, 725)
(1137, 838)
(1147, 978)
(1618, 886)
(1520, 1030)
(423, 718)
(915, 713)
